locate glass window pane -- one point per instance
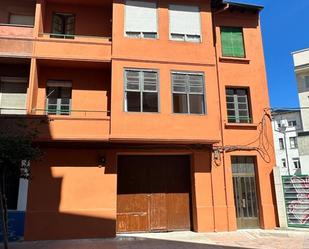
(132, 80)
(178, 37)
(65, 110)
(196, 104)
(70, 25)
(180, 104)
(196, 83)
(57, 24)
(52, 92)
(133, 102)
(150, 102)
(151, 35)
(179, 82)
(150, 81)
(65, 92)
(133, 34)
(193, 38)
(52, 109)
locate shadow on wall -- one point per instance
(67, 194)
(67, 197)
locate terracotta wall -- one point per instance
(164, 124)
(165, 56)
(70, 196)
(248, 72)
(90, 87)
(90, 20)
(163, 49)
(69, 187)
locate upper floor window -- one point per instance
(293, 142)
(185, 23)
(19, 19)
(281, 144)
(237, 101)
(232, 42)
(296, 163)
(141, 90)
(58, 97)
(141, 19)
(283, 162)
(188, 93)
(13, 95)
(63, 25)
(292, 123)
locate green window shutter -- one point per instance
(232, 42)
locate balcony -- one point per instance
(75, 32)
(16, 28)
(80, 125)
(14, 75)
(74, 99)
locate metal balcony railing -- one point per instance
(16, 25)
(67, 36)
(72, 113)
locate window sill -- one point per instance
(184, 41)
(234, 60)
(245, 126)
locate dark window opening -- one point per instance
(188, 93)
(63, 26)
(58, 100)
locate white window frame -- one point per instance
(141, 89)
(183, 36)
(141, 34)
(63, 84)
(293, 143)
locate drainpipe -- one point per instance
(220, 109)
(286, 153)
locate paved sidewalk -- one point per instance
(274, 239)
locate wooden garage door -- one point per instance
(153, 193)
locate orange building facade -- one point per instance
(160, 129)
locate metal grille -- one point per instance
(245, 196)
(296, 194)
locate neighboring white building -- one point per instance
(286, 125)
(301, 67)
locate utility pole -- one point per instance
(282, 130)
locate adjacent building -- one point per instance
(301, 67)
(286, 126)
(153, 115)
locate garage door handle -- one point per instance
(243, 203)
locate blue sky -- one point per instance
(285, 29)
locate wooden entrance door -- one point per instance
(245, 194)
(153, 193)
